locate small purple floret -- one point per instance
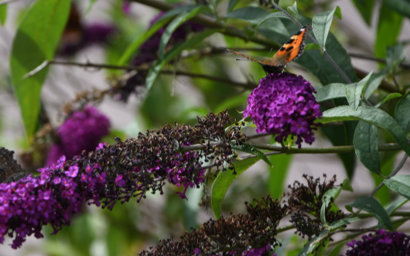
(380, 243)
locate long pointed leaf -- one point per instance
(366, 146)
(36, 41)
(321, 25)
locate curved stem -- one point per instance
(394, 172)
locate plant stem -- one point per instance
(279, 149)
(247, 85)
(394, 172)
(379, 60)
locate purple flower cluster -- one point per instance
(380, 243)
(51, 198)
(109, 174)
(81, 131)
(283, 104)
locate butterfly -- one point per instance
(289, 51)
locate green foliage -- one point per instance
(35, 42)
(224, 180)
(354, 108)
(388, 29)
(3, 14)
(321, 25)
(371, 115)
(372, 206)
(365, 7)
(399, 184)
(366, 145)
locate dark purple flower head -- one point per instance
(380, 243)
(96, 33)
(283, 104)
(81, 131)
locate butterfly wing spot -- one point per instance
(289, 49)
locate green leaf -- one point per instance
(278, 173)
(399, 184)
(394, 56)
(342, 222)
(321, 25)
(340, 135)
(372, 206)
(374, 82)
(251, 14)
(371, 115)
(3, 14)
(330, 91)
(252, 150)
(327, 198)
(320, 66)
(397, 203)
(314, 243)
(389, 96)
(354, 91)
(160, 23)
(35, 42)
(224, 180)
(180, 19)
(174, 52)
(388, 30)
(336, 250)
(400, 6)
(402, 111)
(346, 185)
(365, 8)
(366, 146)
(232, 4)
(232, 102)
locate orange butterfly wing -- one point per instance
(289, 51)
(292, 49)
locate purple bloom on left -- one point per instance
(81, 131)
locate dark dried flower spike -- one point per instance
(305, 201)
(9, 169)
(251, 234)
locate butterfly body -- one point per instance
(289, 51)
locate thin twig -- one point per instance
(247, 85)
(394, 172)
(280, 149)
(366, 57)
